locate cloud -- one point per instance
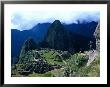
(24, 18)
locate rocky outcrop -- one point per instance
(97, 36)
(93, 54)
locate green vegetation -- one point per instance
(92, 71)
(47, 74)
(50, 57)
(73, 66)
(57, 56)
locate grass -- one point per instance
(53, 73)
(47, 74)
(93, 70)
(58, 72)
(50, 56)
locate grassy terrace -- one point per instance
(50, 57)
(73, 66)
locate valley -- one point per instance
(61, 53)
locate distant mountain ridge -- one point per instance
(84, 29)
(39, 31)
(59, 38)
(19, 37)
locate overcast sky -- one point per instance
(24, 17)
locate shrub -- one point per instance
(58, 58)
(80, 60)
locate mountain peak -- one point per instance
(57, 36)
(56, 27)
(29, 44)
(56, 22)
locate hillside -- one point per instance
(56, 63)
(39, 31)
(60, 54)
